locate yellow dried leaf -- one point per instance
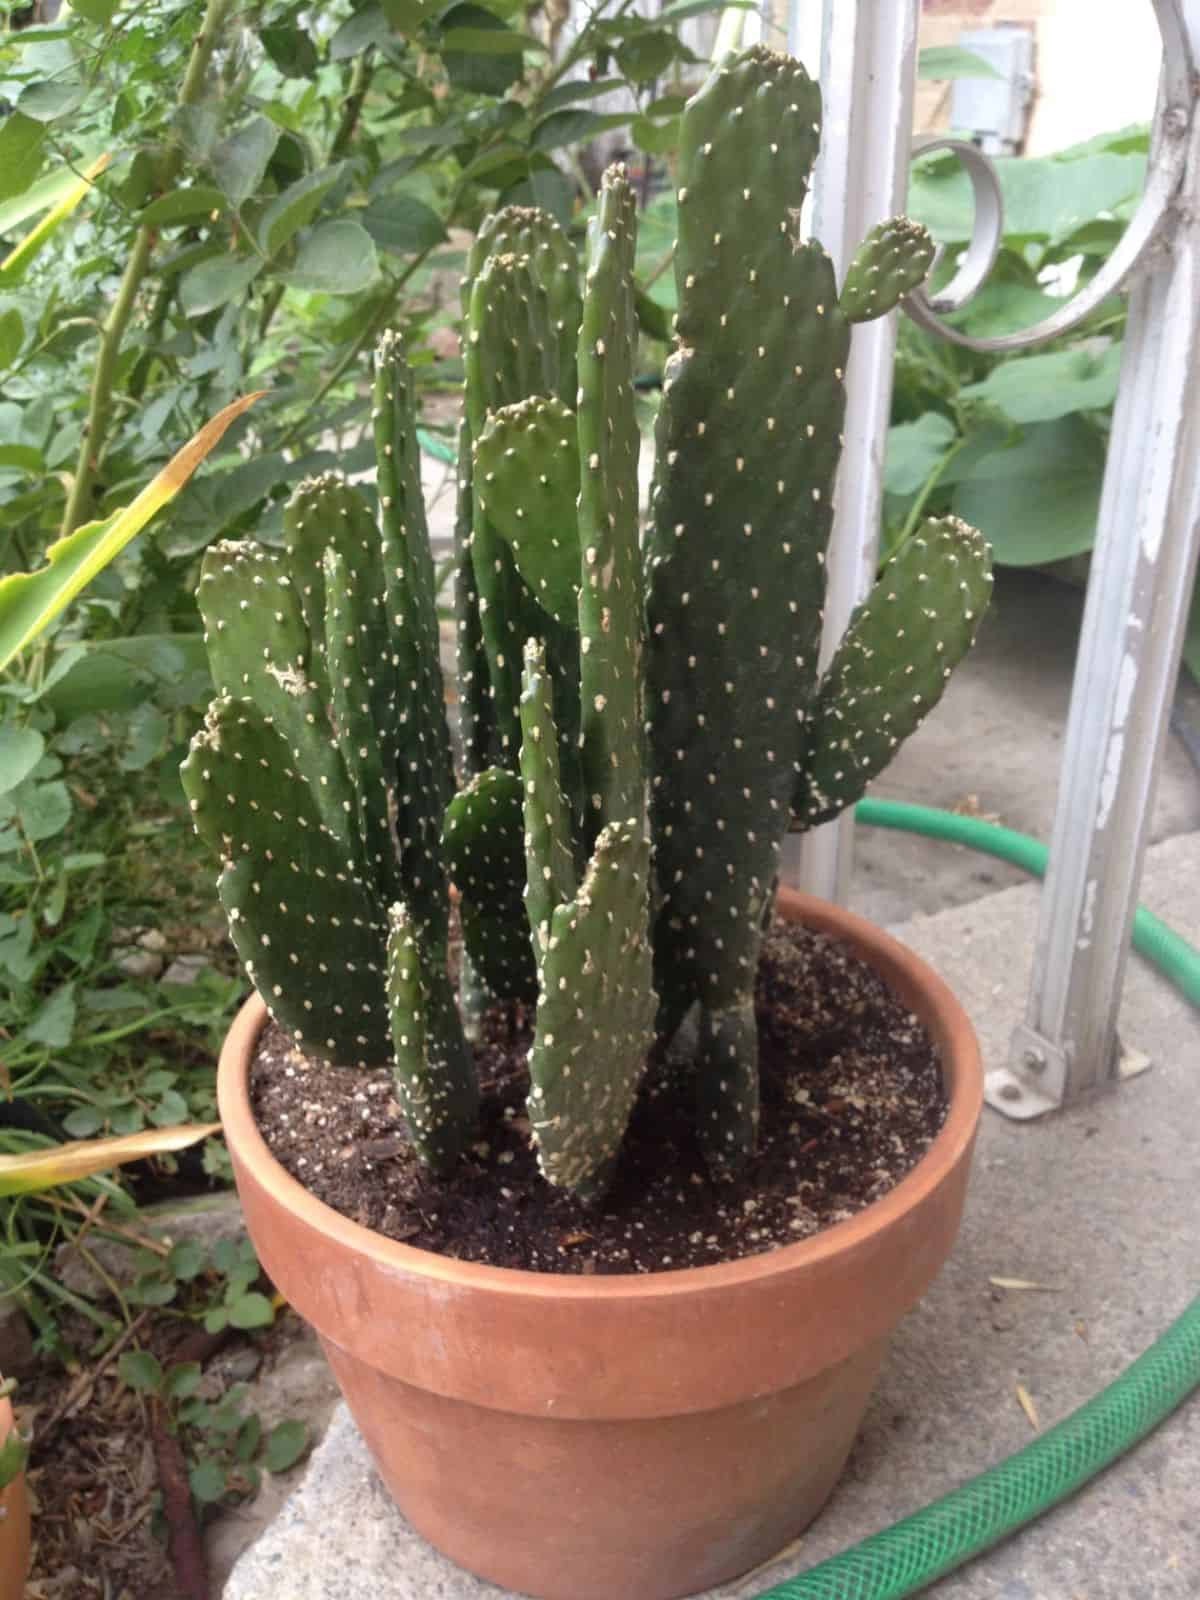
(1023, 1283)
(84, 1158)
(1025, 1399)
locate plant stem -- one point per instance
(360, 82)
(913, 521)
(366, 333)
(91, 445)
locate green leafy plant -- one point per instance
(225, 1444)
(323, 776)
(1016, 444)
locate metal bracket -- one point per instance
(1037, 1077)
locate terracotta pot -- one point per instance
(638, 1436)
(14, 1523)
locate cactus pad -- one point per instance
(890, 669)
(892, 261)
(259, 649)
(611, 623)
(748, 445)
(482, 840)
(325, 513)
(549, 847)
(595, 1018)
(433, 1070)
(527, 469)
(303, 923)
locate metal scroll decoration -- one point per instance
(1168, 155)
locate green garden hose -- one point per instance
(918, 1550)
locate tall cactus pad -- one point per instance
(512, 353)
(259, 649)
(476, 714)
(892, 261)
(482, 839)
(421, 757)
(307, 929)
(487, 587)
(889, 671)
(362, 700)
(408, 572)
(549, 846)
(595, 1018)
(610, 601)
(433, 1070)
(527, 469)
(748, 444)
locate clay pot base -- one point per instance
(852, 1098)
(677, 1428)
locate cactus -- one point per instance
(611, 624)
(549, 847)
(742, 504)
(434, 1073)
(527, 466)
(595, 1019)
(891, 665)
(303, 920)
(891, 261)
(748, 443)
(589, 676)
(482, 842)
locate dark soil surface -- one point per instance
(852, 1097)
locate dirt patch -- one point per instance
(852, 1097)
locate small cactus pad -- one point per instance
(259, 649)
(549, 849)
(433, 1069)
(533, 233)
(611, 622)
(595, 1018)
(527, 469)
(892, 261)
(307, 929)
(892, 664)
(325, 513)
(747, 448)
(482, 841)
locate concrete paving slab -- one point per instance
(1101, 1204)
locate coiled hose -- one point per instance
(918, 1550)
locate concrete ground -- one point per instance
(1100, 1205)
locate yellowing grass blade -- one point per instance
(30, 600)
(12, 268)
(84, 1158)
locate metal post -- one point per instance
(868, 72)
(1135, 616)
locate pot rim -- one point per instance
(901, 968)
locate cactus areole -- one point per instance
(642, 714)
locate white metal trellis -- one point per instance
(1148, 533)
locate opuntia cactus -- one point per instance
(639, 728)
